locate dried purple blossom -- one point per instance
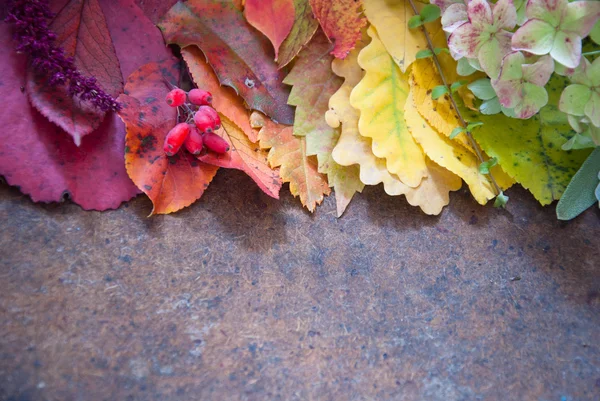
(34, 38)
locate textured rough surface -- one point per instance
(242, 297)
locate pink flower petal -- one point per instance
(445, 4)
(465, 40)
(533, 99)
(580, 17)
(492, 52)
(455, 16)
(567, 49)
(480, 13)
(550, 11)
(592, 109)
(539, 72)
(505, 15)
(509, 92)
(512, 67)
(535, 36)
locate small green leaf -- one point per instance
(430, 13)
(484, 168)
(491, 106)
(438, 92)
(415, 21)
(456, 131)
(423, 54)
(471, 126)
(456, 85)
(463, 68)
(482, 89)
(439, 50)
(501, 200)
(579, 194)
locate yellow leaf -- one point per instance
(289, 153)
(380, 97)
(390, 18)
(353, 149)
(453, 156)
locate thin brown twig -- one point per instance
(454, 105)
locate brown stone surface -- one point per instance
(241, 297)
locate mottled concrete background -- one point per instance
(241, 297)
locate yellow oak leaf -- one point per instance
(288, 152)
(452, 156)
(390, 18)
(380, 97)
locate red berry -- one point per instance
(213, 114)
(175, 138)
(193, 142)
(200, 97)
(215, 143)
(175, 98)
(203, 121)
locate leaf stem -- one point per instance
(591, 53)
(454, 105)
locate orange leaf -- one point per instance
(274, 18)
(246, 156)
(341, 21)
(225, 101)
(172, 183)
(289, 153)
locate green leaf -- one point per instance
(456, 131)
(501, 200)
(423, 54)
(529, 150)
(456, 85)
(439, 91)
(439, 50)
(579, 194)
(484, 168)
(491, 106)
(430, 13)
(482, 89)
(472, 126)
(463, 68)
(415, 21)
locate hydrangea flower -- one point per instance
(520, 85)
(485, 35)
(582, 98)
(454, 13)
(556, 27)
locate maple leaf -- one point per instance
(246, 156)
(305, 26)
(341, 21)
(288, 152)
(530, 150)
(81, 30)
(274, 18)
(41, 158)
(171, 183)
(225, 100)
(380, 97)
(240, 56)
(390, 19)
(452, 156)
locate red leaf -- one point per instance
(274, 18)
(42, 160)
(172, 183)
(341, 21)
(242, 58)
(82, 32)
(155, 9)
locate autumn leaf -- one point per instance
(390, 19)
(380, 96)
(42, 160)
(82, 32)
(241, 57)
(288, 152)
(246, 156)
(305, 26)
(274, 18)
(530, 150)
(225, 100)
(171, 183)
(353, 149)
(452, 156)
(155, 9)
(341, 21)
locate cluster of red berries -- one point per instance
(201, 120)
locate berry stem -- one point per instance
(438, 66)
